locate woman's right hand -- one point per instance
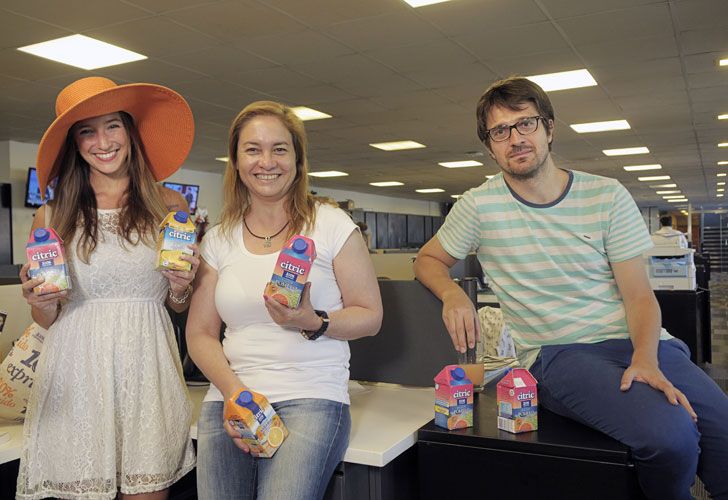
(235, 437)
(48, 303)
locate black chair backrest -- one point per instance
(412, 345)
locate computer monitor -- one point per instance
(189, 191)
(412, 345)
(32, 190)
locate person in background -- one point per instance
(297, 358)
(109, 413)
(562, 251)
(667, 236)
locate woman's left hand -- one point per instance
(301, 318)
(180, 280)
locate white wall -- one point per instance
(377, 203)
(17, 157)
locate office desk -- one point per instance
(380, 462)
(563, 459)
(686, 315)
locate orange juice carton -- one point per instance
(453, 398)
(47, 259)
(291, 271)
(260, 427)
(517, 401)
(176, 232)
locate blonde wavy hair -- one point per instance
(301, 206)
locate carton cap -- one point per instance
(41, 234)
(244, 398)
(181, 217)
(457, 373)
(299, 245)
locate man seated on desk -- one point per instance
(667, 236)
(562, 250)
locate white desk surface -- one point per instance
(384, 422)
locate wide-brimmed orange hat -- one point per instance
(162, 116)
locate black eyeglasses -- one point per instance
(525, 126)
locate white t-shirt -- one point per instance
(275, 361)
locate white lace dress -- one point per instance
(109, 409)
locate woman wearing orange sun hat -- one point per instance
(109, 412)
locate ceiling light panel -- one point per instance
(387, 183)
(328, 173)
(460, 164)
(654, 178)
(637, 168)
(307, 114)
(423, 3)
(397, 145)
(626, 151)
(564, 80)
(588, 128)
(430, 190)
(82, 52)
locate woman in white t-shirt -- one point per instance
(298, 358)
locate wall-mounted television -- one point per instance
(32, 191)
(189, 191)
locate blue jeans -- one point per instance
(581, 381)
(300, 469)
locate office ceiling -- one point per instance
(386, 72)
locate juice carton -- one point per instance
(259, 425)
(175, 232)
(453, 398)
(45, 255)
(517, 401)
(291, 271)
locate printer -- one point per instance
(670, 267)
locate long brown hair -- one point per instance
(74, 205)
(301, 204)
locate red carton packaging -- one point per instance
(47, 259)
(517, 401)
(453, 398)
(291, 271)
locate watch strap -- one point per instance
(314, 334)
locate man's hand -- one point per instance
(461, 320)
(649, 373)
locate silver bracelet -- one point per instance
(182, 299)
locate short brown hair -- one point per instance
(512, 93)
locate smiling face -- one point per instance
(520, 156)
(103, 142)
(266, 160)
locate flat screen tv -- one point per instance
(189, 191)
(32, 191)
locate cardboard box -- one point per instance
(517, 398)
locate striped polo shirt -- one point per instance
(549, 265)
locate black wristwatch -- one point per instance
(313, 335)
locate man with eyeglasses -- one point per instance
(562, 251)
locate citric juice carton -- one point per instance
(517, 401)
(291, 271)
(453, 398)
(47, 259)
(176, 232)
(259, 425)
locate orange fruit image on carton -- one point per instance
(44, 251)
(517, 399)
(291, 271)
(453, 398)
(251, 415)
(176, 232)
